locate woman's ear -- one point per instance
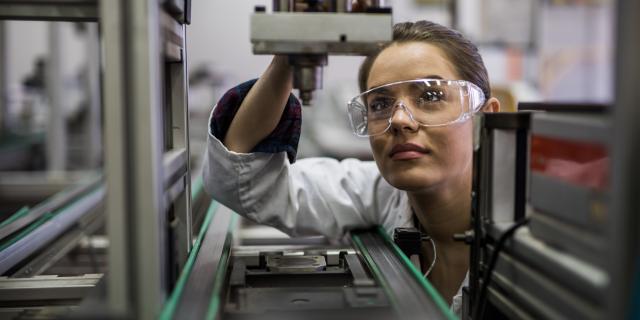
(492, 105)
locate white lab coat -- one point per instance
(310, 197)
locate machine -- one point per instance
(308, 31)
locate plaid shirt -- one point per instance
(284, 137)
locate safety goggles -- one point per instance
(428, 102)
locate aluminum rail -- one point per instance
(197, 292)
(410, 294)
(49, 10)
(48, 228)
(55, 202)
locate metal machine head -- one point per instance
(308, 31)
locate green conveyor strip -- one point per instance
(433, 293)
(214, 305)
(172, 303)
(17, 215)
(44, 218)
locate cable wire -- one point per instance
(480, 303)
(435, 256)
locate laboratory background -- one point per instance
(104, 118)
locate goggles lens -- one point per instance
(429, 102)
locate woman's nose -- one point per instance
(402, 119)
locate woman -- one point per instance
(417, 120)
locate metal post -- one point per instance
(93, 140)
(4, 93)
(136, 220)
(624, 222)
(179, 103)
(145, 178)
(56, 140)
(118, 226)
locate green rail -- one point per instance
(430, 291)
(24, 232)
(172, 302)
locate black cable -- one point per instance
(481, 298)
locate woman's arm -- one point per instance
(261, 110)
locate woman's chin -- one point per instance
(412, 183)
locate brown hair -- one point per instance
(461, 52)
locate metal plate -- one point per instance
(296, 263)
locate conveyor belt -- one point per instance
(411, 295)
(196, 295)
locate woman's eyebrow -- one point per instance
(433, 76)
(381, 91)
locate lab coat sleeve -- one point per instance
(313, 196)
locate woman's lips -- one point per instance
(407, 151)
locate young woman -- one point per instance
(419, 93)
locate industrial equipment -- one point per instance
(308, 31)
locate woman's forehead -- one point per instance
(407, 61)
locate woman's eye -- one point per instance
(378, 105)
(432, 96)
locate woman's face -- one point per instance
(409, 156)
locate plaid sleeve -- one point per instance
(284, 137)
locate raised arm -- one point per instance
(261, 110)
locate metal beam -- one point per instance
(625, 143)
(49, 230)
(49, 10)
(46, 288)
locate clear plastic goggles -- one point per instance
(428, 102)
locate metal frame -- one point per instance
(51, 10)
(50, 230)
(203, 282)
(4, 94)
(16, 291)
(625, 142)
(142, 46)
(147, 178)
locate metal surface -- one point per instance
(549, 299)
(44, 234)
(118, 226)
(587, 246)
(56, 137)
(319, 33)
(624, 244)
(408, 296)
(137, 222)
(54, 10)
(571, 126)
(178, 99)
(304, 263)
(199, 289)
(15, 291)
(93, 127)
(576, 205)
(4, 72)
(56, 202)
(308, 37)
(175, 165)
(360, 277)
(562, 267)
(62, 246)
